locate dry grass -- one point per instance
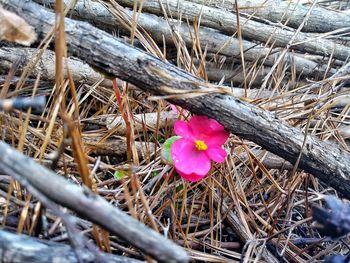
(242, 200)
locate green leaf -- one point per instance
(166, 154)
(119, 174)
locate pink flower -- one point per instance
(201, 142)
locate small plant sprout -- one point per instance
(197, 143)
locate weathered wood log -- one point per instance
(210, 39)
(116, 146)
(327, 162)
(81, 72)
(20, 248)
(269, 160)
(89, 205)
(226, 21)
(84, 74)
(14, 80)
(230, 76)
(320, 20)
(149, 120)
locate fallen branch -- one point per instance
(116, 146)
(211, 40)
(226, 21)
(84, 74)
(21, 248)
(105, 52)
(321, 20)
(89, 205)
(269, 160)
(147, 120)
(237, 78)
(81, 72)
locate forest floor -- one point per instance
(109, 109)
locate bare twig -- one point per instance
(20, 248)
(87, 204)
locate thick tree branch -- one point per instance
(83, 73)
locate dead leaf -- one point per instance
(14, 29)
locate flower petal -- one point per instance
(216, 154)
(203, 125)
(216, 139)
(193, 177)
(187, 159)
(182, 129)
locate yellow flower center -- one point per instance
(200, 145)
